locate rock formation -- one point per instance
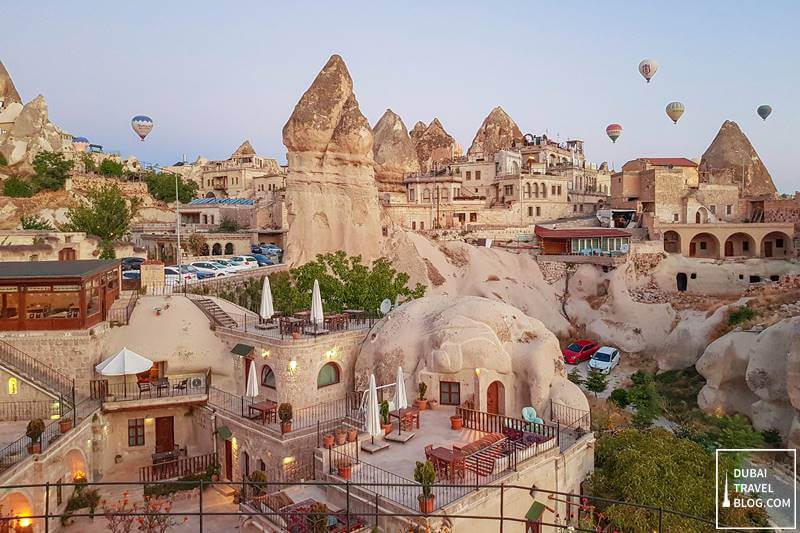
(32, 133)
(417, 131)
(498, 132)
(440, 335)
(435, 147)
(331, 196)
(731, 159)
(394, 153)
(244, 149)
(8, 92)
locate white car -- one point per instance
(229, 267)
(247, 261)
(210, 269)
(172, 277)
(605, 359)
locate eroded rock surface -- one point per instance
(31, 133)
(8, 92)
(435, 147)
(394, 153)
(498, 132)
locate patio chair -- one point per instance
(182, 385)
(144, 386)
(428, 451)
(529, 415)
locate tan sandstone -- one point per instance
(498, 132)
(394, 153)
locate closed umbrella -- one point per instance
(317, 316)
(125, 363)
(373, 422)
(252, 382)
(266, 310)
(401, 399)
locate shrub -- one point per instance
(3, 161)
(575, 377)
(17, 188)
(425, 475)
(51, 170)
(385, 413)
(35, 429)
(743, 314)
(88, 163)
(620, 397)
(35, 222)
(228, 225)
(423, 388)
(109, 167)
(597, 381)
(285, 412)
(772, 437)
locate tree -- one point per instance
(15, 187)
(227, 225)
(161, 186)
(109, 167)
(35, 222)
(620, 398)
(51, 171)
(596, 381)
(575, 377)
(88, 163)
(195, 244)
(104, 213)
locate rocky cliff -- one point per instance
(417, 131)
(331, 195)
(731, 159)
(498, 132)
(31, 133)
(394, 153)
(8, 92)
(435, 147)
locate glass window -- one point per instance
(9, 302)
(328, 375)
(92, 300)
(449, 393)
(136, 432)
(60, 303)
(267, 377)
(477, 174)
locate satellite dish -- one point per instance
(386, 306)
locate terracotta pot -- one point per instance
(421, 404)
(426, 505)
(64, 425)
(214, 477)
(345, 471)
(295, 335)
(432, 404)
(286, 427)
(352, 435)
(34, 448)
(387, 428)
(327, 441)
(341, 438)
(456, 422)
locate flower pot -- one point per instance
(387, 428)
(214, 477)
(456, 422)
(64, 425)
(421, 404)
(345, 471)
(432, 404)
(34, 448)
(352, 435)
(327, 441)
(426, 504)
(286, 427)
(341, 438)
(295, 335)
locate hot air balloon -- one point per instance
(142, 125)
(764, 111)
(80, 144)
(675, 111)
(613, 131)
(648, 68)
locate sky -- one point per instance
(212, 74)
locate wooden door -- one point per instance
(728, 248)
(493, 398)
(165, 434)
(66, 254)
(228, 460)
(767, 248)
(692, 249)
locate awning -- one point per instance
(242, 350)
(224, 432)
(534, 514)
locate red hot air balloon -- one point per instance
(613, 131)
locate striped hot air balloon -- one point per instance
(613, 131)
(675, 111)
(764, 111)
(142, 125)
(80, 144)
(648, 68)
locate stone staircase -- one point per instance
(214, 312)
(36, 373)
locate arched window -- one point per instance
(328, 375)
(267, 377)
(229, 248)
(13, 386)
(205, 250)
(216, 249)
(536, 190)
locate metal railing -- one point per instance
(570, 417)
(493, 423)
(185, 466)
(28, 410)
(36, 371)
(166, 387)
(122, 315)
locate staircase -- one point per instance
(38, 374)
(215, 312)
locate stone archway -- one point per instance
(229, 248)
(701, 216)
(705, 246)
(672, 242)
(210, 194)
(776, 244)
(496, 398)
(740, 245)
(216, 249)
(17, 504)
(75, 463)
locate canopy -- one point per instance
(400, 397)
(373, 421)
(316, 306)
(252, 382)
(125, 363)
(266, 310)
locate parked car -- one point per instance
(131, 274)
(210, 269)
(244, 260)
(173, 276)
(132, 263)
(193, 270)
(229, 267)
(263, 260)
(605, 359)
(579, 351)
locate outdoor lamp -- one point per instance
(292, 365)
(477, 372)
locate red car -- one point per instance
(579, 351)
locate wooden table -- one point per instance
(446, 457)
(336, 322)
(305, 316)
(356, 315)
(290, 325)
(267, 408)
(159, 385)
(399, 414)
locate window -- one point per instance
(538, 211)
(421, 225)
(469, 175)
(553, 189)
(674, 217)
(426, 195)
(574, 207)
(136, 432)
(473, 217)
(745, 246)
(477, 174)
(728, 209)
(508, 190)
(328, 375)
(703, 245)
(778, 243)
(413, 224)
(449, 393)
(559, 190)
(412, 195)
(13, 386)
(530, 211)
(267, 377)
(713, 209)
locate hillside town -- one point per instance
(388, 332)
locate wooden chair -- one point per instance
(428, 452)
(182, 385)
(144, 386)
(459, 468)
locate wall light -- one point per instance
(332, 353)
(148, 419)
(24, 522)
(292, 366)
(265, 353)
(477, 372)
(288, 460)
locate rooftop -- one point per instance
(54, 269)
(669, 161)
(221, 201)
(570, 233)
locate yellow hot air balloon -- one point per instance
(675, 111)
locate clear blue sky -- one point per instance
(212, 74)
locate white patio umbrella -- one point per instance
(373, 421)
(400, 397)
(125, 363)
(266, 310)
(252, 382)
(317, 316)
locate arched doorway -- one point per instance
(495, 398)
(229, 248)
(17, 505)
(739, 245)
(66, 254)
(701, 216)
(216, 249)
(682, 281)
(776, 244)
(205, 250)
(704, 245)
(210, 194)
(672, 242)
(75, 462)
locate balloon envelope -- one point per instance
(675, 111)
(764, 111)
(80, 144)
(648, 68)
(142, 125)
(613, 131)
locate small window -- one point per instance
(136, 432)
(728, 209)
(449, 393)
(674, 217)
(328, 375)
(508, 190)
(713, 209)
(745, 246)
(703, 245)
(774, 278)
(477, 174)
(538, 211)
(267, 377)
(469, 175)
(473, 217)
(530, 211)
(778, 243)
(693, 275)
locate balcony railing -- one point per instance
(185, 466)
(176, 386)
(38, 372)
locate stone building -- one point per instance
(56, 246)
(234, 177)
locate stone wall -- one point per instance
(552, 271)
(24, 391)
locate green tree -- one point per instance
(35, 222)
(3, 161)
(226, 225)
(575, 377)
(620, 397)
(51, 171)
(109, 167)
(104, 213)
(16, 187)
(596, 381)
(88, 163)
(161, 186)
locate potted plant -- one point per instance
(64, 424)
(34, 432)
(341, 436)
(285, 415)
(352, 435)
(317, 517)
(259, 477)
(421, 402)
(344, 467)
(327, 440)
(386, 422)
(433, 404)
(456, 422)
(213, 471)
(425, 475)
